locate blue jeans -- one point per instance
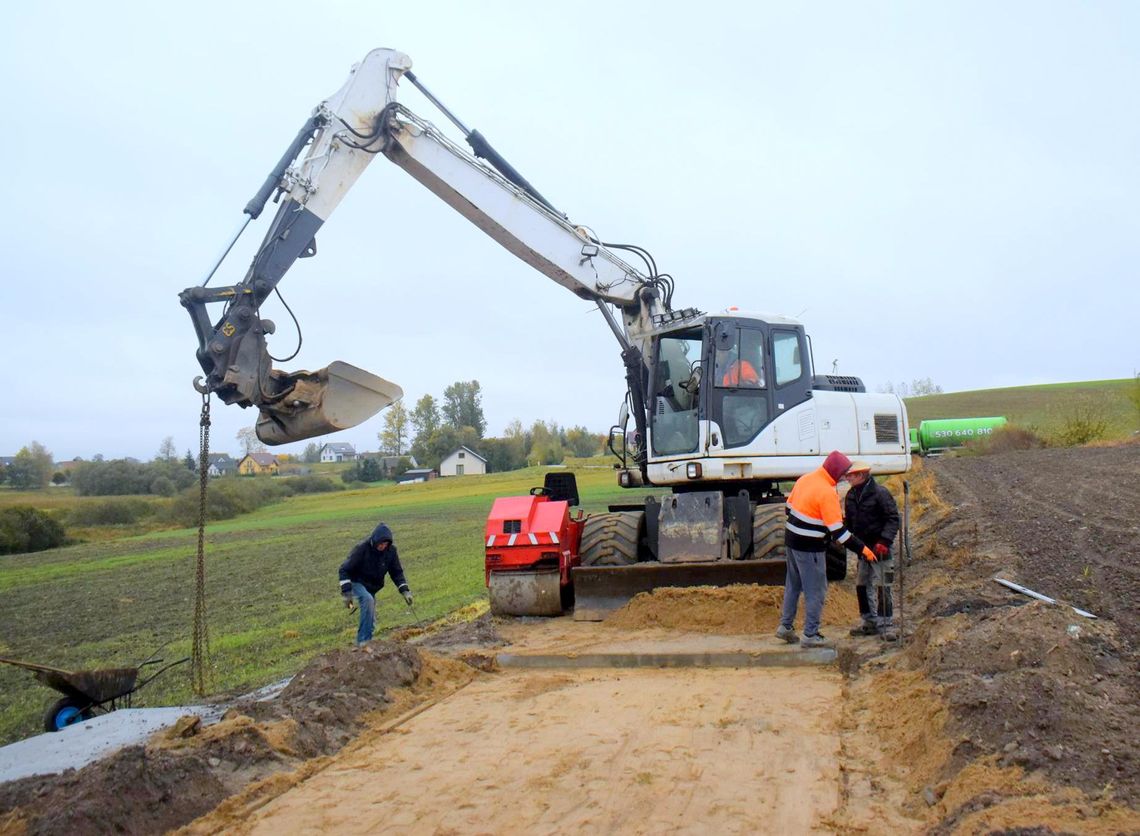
(807, 573)
(367, 605)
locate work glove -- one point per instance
(408, 596)
(348, 602)
(869, 555)
(881, 550)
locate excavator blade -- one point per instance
(525, 592)
(599, 590)
(334, 398)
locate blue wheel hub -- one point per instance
(66, 716)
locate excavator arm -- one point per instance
(358, 123)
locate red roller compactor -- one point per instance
(532, 543)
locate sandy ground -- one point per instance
(729, 751)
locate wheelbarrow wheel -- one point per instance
(65, 712)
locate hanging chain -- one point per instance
(200, 654)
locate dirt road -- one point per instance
(616, 751)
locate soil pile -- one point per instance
(328, 699)
(186, 771)
(741, 609)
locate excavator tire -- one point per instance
(768, 532)
(612, 539)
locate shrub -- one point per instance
(311, 484)
(226, 499)
(1084, 422)
(121, 477)
(1005, 439)
(110, 512)
(24, 529)
(162, 486)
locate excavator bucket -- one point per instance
(599, 590)
(334, 398)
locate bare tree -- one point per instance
(167, 452)
(250, 443)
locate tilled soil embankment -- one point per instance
(1028, 689)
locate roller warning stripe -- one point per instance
(535, 538)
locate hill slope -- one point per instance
(1044, 408)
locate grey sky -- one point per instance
(935, 190)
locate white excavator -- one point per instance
(725, 406)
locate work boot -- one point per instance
(817, 640)
(788, 634)
(865, 628)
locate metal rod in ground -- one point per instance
(1024, 590)
(903, 559)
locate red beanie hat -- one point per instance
(836, 464)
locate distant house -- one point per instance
(419, 474)
(221, 464)
(338, 451)
(258, 464)
(463, 462)
(7, 461)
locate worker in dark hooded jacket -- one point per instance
(362, 576)
(871, 514)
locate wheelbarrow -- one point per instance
(88, 693)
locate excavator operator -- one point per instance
(735, 371)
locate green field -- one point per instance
(271, 586)
(1044, 408)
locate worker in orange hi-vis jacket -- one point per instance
(814, 520)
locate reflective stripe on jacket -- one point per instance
(814, 515)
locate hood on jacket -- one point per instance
(380, 534)
(836, 464)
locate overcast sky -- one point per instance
(935, 190)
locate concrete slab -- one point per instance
(673, 659)
(669, 649)
(76, 746)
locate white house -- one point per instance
(463, 462)
(221, 465)
(338, 451)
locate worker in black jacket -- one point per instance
(870, 513)
(362, 576)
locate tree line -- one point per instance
(436, 427)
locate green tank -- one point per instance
(946, 433)
(915, 444)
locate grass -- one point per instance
(1045, 409)
(271, 586)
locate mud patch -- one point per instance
(742, 609)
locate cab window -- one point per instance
(676, 382)
(787, 355)
(740, 361)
